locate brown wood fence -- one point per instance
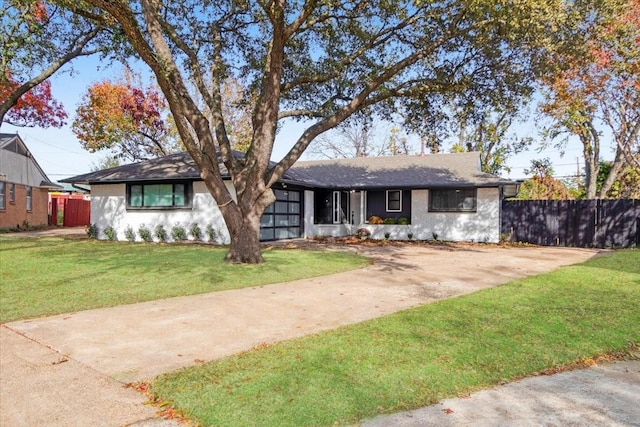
(581, 223)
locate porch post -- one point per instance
(363, 196)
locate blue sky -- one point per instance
(60, 154)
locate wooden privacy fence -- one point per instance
(582, 223)
(76, 212)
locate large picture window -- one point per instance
(452, 200)
(159, 196)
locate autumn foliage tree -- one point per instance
(36, 107)
(321, 62)
(38, 38)
(597, 86)
(125, 119)
(542, 185)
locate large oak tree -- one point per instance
(321, 61)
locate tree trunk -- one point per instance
(243, 222)
(245, 244)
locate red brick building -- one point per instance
(24, 187)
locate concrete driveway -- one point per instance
(71, 369)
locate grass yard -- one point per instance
(47, 276)
(419, 356)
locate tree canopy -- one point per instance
(128, 120)
(322, 61)
(596, 87)
(38, 38)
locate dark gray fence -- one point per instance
(582, 223)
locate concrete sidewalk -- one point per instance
(607, 395)
(71, 369)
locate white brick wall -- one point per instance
(108, 208)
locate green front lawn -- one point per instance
(419, 356)
(46, 276)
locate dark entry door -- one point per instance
(283, 219)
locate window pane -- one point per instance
(281, 194)
(294, 220)
(269, 209)
(266, 220)
(29, 204)
(294, 232)
(453, 200)
(135, 195)
(394, 200)
(322, 212)
(282, 220)
(2, 193)
(179, 197)
(158, 195)
(294, 196)
(12, 192)
(282, 233)
(294, 208)
(266, 234)
(282, 207)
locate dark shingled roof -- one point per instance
(433, 170)
(173, 166)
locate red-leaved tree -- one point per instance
(37, 39)
(128, 120)
(36, 107)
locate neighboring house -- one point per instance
(441, 196)
(24, 187)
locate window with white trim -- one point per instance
(3, 189)
(394, 200)
(452, 200)
(12, 193)
(29, 199)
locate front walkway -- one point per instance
(70, 369)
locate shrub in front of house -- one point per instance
(130, 234)
(145, 233)
(403, 221)
(375, 220)
(196, 232)
(178, 233)
(160, 233)
(111, 234)
(92, 231)
(211, 232)
(389, 221)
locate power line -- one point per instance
(31, 137)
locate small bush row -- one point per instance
(374, 219)
(159, 233)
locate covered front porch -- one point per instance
(453, 214)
